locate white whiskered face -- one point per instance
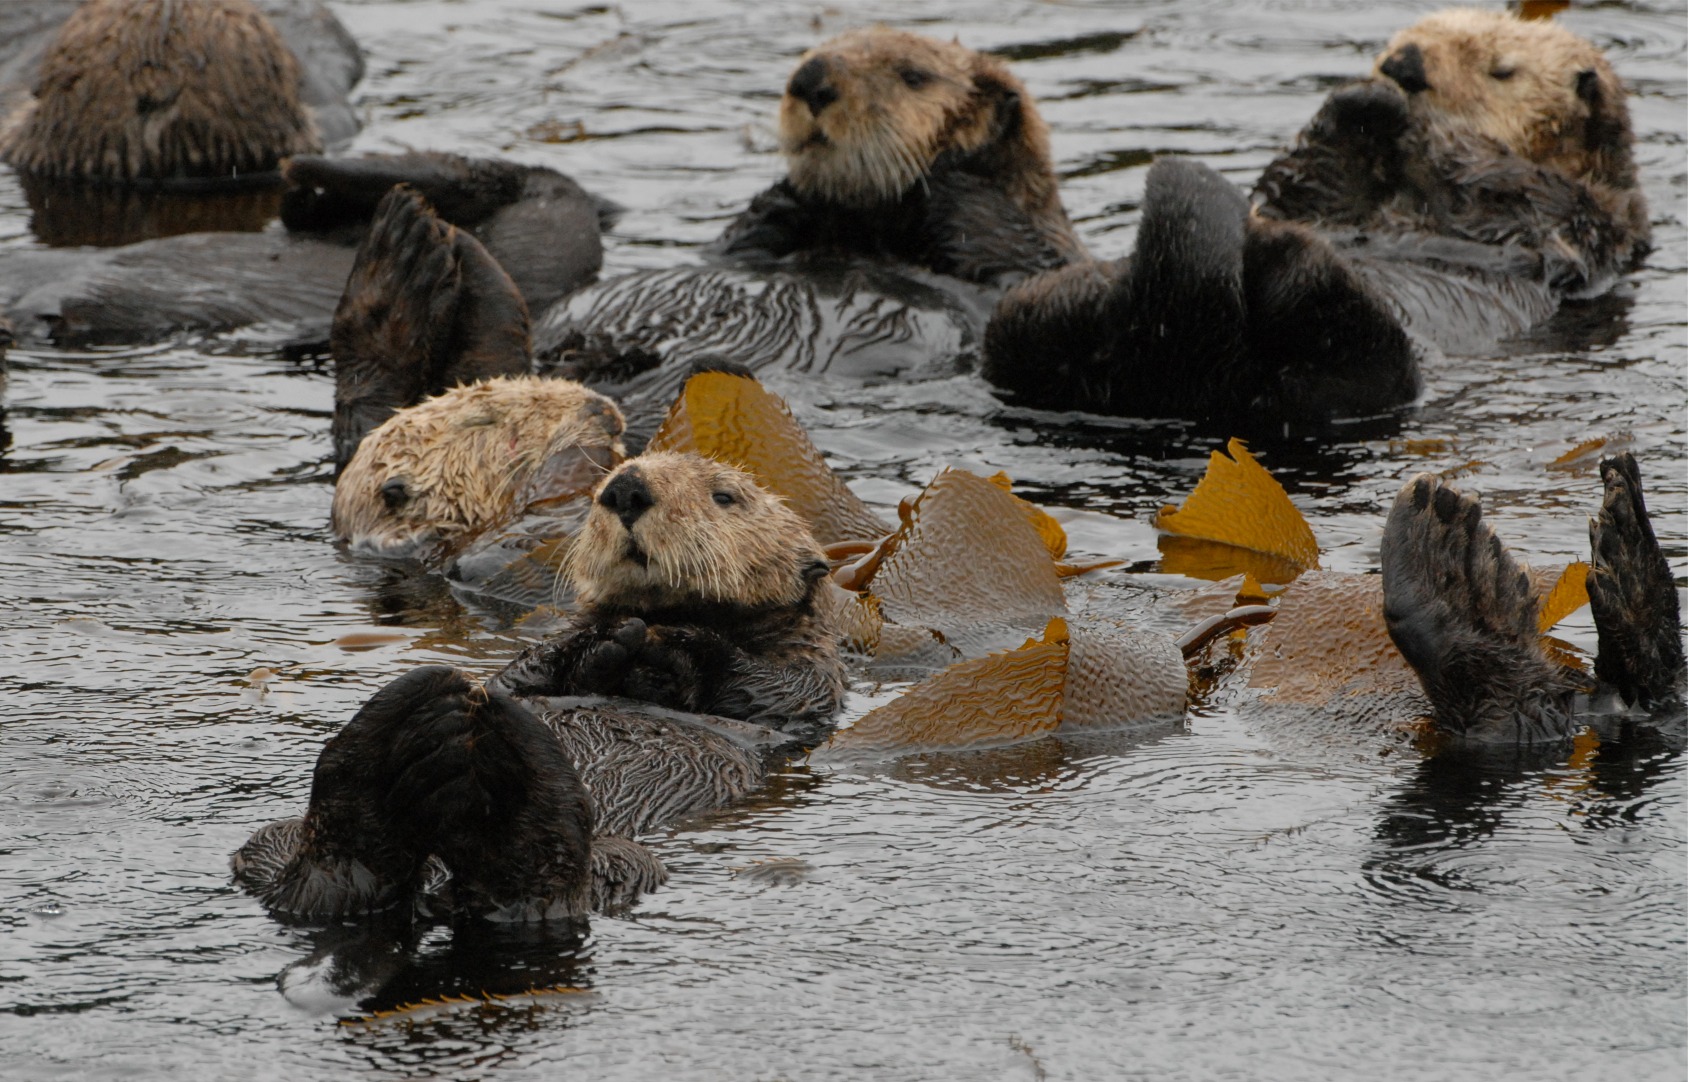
(1524, 83)
(433, 477)
(865, 115)
(678, 529)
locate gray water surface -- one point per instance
(178, 636)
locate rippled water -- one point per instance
(1197, 904)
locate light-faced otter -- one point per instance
(918, 175)
(439, 475)
(519, 800)
(1404, 215)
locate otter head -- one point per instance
(1534, 86)
(435, 476)
(137, 91)
(869, 113)
(673, 529)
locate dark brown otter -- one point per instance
(1402, 215)
(509, 803)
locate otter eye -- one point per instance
(1503, 74)
(395, 493)
(914, 78)
(725, 499)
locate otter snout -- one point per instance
(627, 497)
(1406, 66)
(809, 85)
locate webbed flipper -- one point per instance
(1462, 612)
(425, 308)
(1632, 593)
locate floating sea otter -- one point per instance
(1483, 174)
(152, 118)
(918, 182)
(698, 597)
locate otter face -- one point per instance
(678, 529)
(1545, 93)
(433, 477)
(866, 114)
(148, 90)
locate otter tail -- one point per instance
(1632, 593)
(425, 308)
(1462, 612)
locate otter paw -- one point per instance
(1463, 613)
(1372, 111)
(1632, 593)
(603, 669)
(668, 669)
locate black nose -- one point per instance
(628, 496)
(808, 85)
(1406, 67)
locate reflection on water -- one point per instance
(178, 635)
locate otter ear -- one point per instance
(815, 570)
(1588, 87)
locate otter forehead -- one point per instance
(443, 471)
(865, 114)
(673, 529)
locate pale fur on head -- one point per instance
(1532, 85)
(751, 550)
(135, 90)
(903, 100)
(434, 476)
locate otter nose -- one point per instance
(1406, 67)
(627, 496)
(808, 85)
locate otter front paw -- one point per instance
(1372, 111)
(668, 669)
(1632, 594)
(604, 667)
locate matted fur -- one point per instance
(136, 90)
(471, 459)
(687, 548)
(1533, 85)
(882, 135)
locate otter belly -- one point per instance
(635, 337)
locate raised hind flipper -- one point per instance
(425, 308)
(1463, 613)
(348, 855)
(483, 785)
(1632, 593)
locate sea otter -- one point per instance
(1406, 215)
(435, 478)
(189, 99)
(918, 182)
(698, 648)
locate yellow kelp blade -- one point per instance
(1568, 595)
(1237, 503)
(1054, 537)
(989, 701)
(967, 563)
(735, 419)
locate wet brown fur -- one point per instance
(437, 475)
(155, 90)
